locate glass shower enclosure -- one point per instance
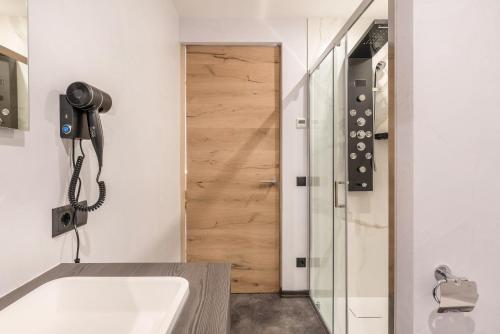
(349, 224)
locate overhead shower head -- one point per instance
(374, 39)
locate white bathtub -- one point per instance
(107, 305)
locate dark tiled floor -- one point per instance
(270, 314)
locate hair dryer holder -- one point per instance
(73, 124)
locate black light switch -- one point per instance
(301, 181)
(301, 262)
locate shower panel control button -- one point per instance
(368, 112)
(353, 156)
(361, 146)
(362, 169)
(5, 112)
(368, 134)
(361, 134)
(368, 156)
(352, 134)
(361, 121)
(66, 129)
(353, 112)
(361, 98)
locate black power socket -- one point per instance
(62, 219)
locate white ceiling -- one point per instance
(269, 8)
(13, 7)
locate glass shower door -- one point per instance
(321, 189)
(328, 249)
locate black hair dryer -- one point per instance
(80, 109)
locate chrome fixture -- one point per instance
(453, 293)
(336, 186)
(272, 182)
(381, 65)
(361, 134)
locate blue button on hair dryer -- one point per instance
(92, 101)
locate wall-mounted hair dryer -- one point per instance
(80, 109)
(86, 98)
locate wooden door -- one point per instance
(233, 147)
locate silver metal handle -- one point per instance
(435, 290)
(271, 182)
(336, 193)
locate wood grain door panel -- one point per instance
(233, 143)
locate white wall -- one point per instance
(292, 34)
(130, 49)
(454, 187)
(320, 32)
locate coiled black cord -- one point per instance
(74, 183)
(75, 221)
(77, 256)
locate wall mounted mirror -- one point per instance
(14, 111)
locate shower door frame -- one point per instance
(351, 21)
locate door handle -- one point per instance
(336, 193)
(270, 183)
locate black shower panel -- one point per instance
(360, 125)
(8, 93)
(360, 111)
